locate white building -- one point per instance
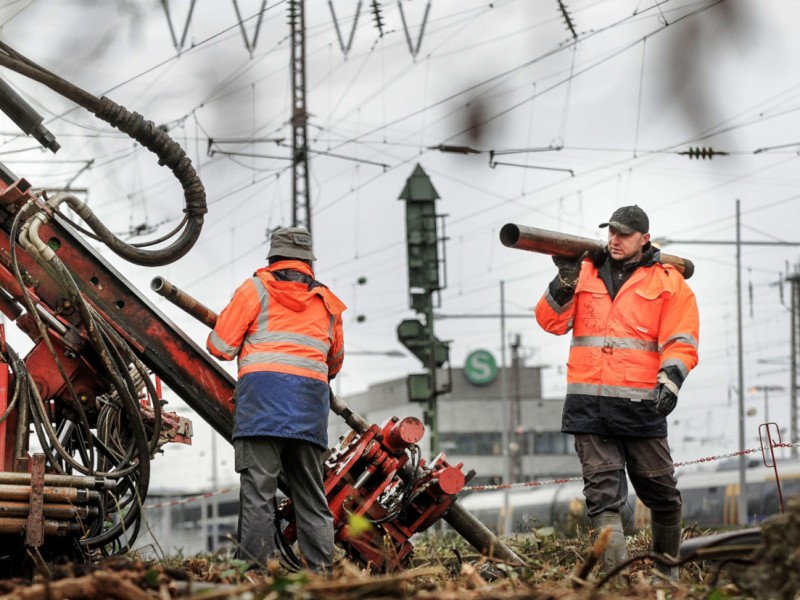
(471, 423)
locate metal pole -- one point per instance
(433, 411)
(742, 458)
(505, 408)
(516, 413)
(214, 497)
(301, 201)
(793, 384)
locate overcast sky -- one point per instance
(608, 100)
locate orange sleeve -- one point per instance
(552, 317)
(336, 352)
(679, 336)
(225, 340)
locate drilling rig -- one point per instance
(87, 389)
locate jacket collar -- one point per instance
(294, 265)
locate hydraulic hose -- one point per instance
(145, 132)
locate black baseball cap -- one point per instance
(628, 219)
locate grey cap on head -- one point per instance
(628, 219)
(291, 242)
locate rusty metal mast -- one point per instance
(301, 202)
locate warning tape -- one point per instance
(190, 499)
(508, 486)
(733, 454)
(502, 486)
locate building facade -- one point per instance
(471, 423)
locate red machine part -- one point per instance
(374, 473)
(7, 423)
(363, 478)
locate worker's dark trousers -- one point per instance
(604, 460)
(259, 460)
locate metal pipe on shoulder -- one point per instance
(555, 243)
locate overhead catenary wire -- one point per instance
(525, 203)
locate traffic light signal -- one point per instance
(422, 238)
(416, 337)
(420, 387)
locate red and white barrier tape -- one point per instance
(502, 486)
(507, 486)
(190, 499)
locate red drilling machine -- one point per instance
(81, 415)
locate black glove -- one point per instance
(568, 271)
(666, 394)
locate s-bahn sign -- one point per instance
(480, 368)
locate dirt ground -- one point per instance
(444, 567)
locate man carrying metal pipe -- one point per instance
(285, 327)
(635, 330)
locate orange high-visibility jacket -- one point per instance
(281, 326)
(619, 346)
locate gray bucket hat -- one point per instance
(291, 242)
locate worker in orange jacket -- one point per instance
(285, 329)
(635, 331)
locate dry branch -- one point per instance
(96, 585)
(590, 559)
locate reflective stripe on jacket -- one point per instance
(281, 326)
(619, 346)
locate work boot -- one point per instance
(617, 551)
(666, 530)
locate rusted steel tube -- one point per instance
(479, 536)
(554, 243)
(54, 480)
(470, 528)
(184, 301)
(55, 495)
(56, 512)
(354, 420)
(51, 528)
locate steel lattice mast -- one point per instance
(301, 202)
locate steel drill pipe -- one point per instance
(184, 301)
(554, 243)
(56, 512)
(51, 528)
(469, 527)
(56, 495)
(55, 480)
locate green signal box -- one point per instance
(420, 387)
(422, 238)
(415, 336)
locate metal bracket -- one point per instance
(34, 531)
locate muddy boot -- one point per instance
(617, 551)
(666, 529)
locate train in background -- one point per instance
(710, 500)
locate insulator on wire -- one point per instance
(703, 153)
(567, 19)
(377, 16)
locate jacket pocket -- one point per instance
(640, 376)
(242, 457)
